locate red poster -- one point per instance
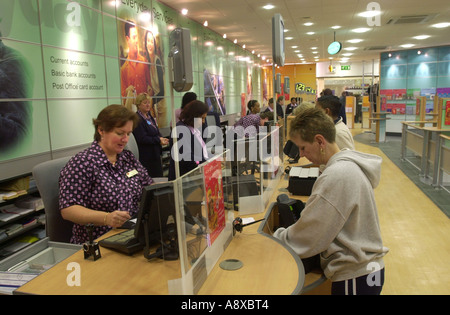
(214, 199)
(447, 113)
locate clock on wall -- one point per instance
(334, 48)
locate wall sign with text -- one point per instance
(301, 88)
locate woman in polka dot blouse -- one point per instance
(102, 185)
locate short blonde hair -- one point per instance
(140, 98)
(311, 122)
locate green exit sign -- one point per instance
(345, 67)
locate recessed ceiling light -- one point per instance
(407, 45)
(421, 37)
(355, 41)
(315, 52)
(361, 30)
(347, 54)
(268, 7)
(350, 48)
(294, 47)
(441, 25)
(297, 51)
(310, 33)
(336, 27)
(184, 11)
(313, 48)
(308, 23)
(289, 38)
(370, 13)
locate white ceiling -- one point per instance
(250, 24)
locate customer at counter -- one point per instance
(340, 220)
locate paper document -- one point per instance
(304, 172)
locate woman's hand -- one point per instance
(116, 219)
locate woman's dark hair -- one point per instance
(251, 104)
(187, 98)
(194, 109)
(113, 116)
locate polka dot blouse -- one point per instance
(90, 180)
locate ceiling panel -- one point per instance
(250, 24)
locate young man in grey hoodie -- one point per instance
(340, 220)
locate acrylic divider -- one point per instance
(204, 222)
(259, 174)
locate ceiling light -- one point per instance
(243, 46)
(297, 51)
(289, 38)
(224, 35)
(336, 27)
(350, 48)
(313, 48)
(294, 47)
(355, 41)
(184, 11)
(308, 23)
(441, 25)
(407, 45)
(235, 41)
(421, 37)
(361, 30)
(205, 24)
(310, 33)
(347, 54)
(370, 13)
(268, 7)
(315, 52)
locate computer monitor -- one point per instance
(156, 221)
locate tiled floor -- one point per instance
(392, 149)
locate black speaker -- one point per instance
(181, 60)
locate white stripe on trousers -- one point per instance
(347, 282)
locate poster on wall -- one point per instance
(141, 51)
(447, 114)
(214, 199)
(214, 92)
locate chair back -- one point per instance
(46, 175)
(132, 146)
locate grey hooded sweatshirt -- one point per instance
(340, 219)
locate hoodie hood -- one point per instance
(370, 164)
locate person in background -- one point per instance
(279, 109)
(191, 148)
(340, 220)
(102, 185)
(331, 105)
(292, 105)
(249, 125)
(187, 98)
(342, 110)
(253, 107)
(148, 138)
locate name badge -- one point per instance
(132, 173)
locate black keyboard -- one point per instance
(124, 242)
